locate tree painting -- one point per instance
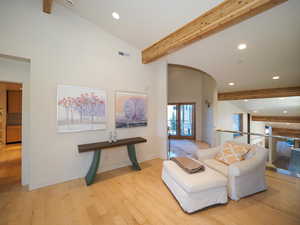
(80, 109)
(131, 110)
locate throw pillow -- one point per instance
(232, 152)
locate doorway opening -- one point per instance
(182, 130)
(190, 110)
(10, 132)
(181, 120)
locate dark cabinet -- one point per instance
(14, 101)
(13, 134)
(14, 117)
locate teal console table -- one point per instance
(99, 146)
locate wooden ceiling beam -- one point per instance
(47, 6)
(286, 132)
(226, 14)
(260, 93)
(279, 119)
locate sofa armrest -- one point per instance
(209, 153)
(248, 166)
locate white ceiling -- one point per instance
(271, 106)
(273, 39)
(142, 22)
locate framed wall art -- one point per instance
(131, 109)
(80, 109)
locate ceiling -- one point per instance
(272, 38)
(271, 106)
(142, 22)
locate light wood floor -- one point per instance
(10, 164)
(126, 197)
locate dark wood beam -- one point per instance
(260, 93)
(226, 14)
(47, 6)
(282, 119)
(286, 132)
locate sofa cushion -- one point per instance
(216, 165)
(232, 152)
(194, 182)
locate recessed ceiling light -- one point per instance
(255, 111)
(246, 100)
(275, 77)
(285, 112)
(115, 15)
(231, 84)
(242, 46)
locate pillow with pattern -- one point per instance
(232, 152)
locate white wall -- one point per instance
(225, 111)
(209, 115)
(66, 49)
(225, 122)
(185, 86)
(18, 70)
(161, 81)
(259, 128)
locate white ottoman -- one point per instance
(195, 191)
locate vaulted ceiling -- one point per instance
(142, 22)
(272, 39)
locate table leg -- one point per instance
(90, 176)
(132, 157)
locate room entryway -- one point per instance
(10, 132)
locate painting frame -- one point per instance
(140, 99)
(89, 109)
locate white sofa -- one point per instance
(245, 177)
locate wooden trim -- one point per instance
(3, 115)
(226, 14)
(286, 132)
(282, 119)
(177, 123)
(105, 144)
(182, 103)
(47, 6)
(178, 136)
(260, 93)
(13, 86)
